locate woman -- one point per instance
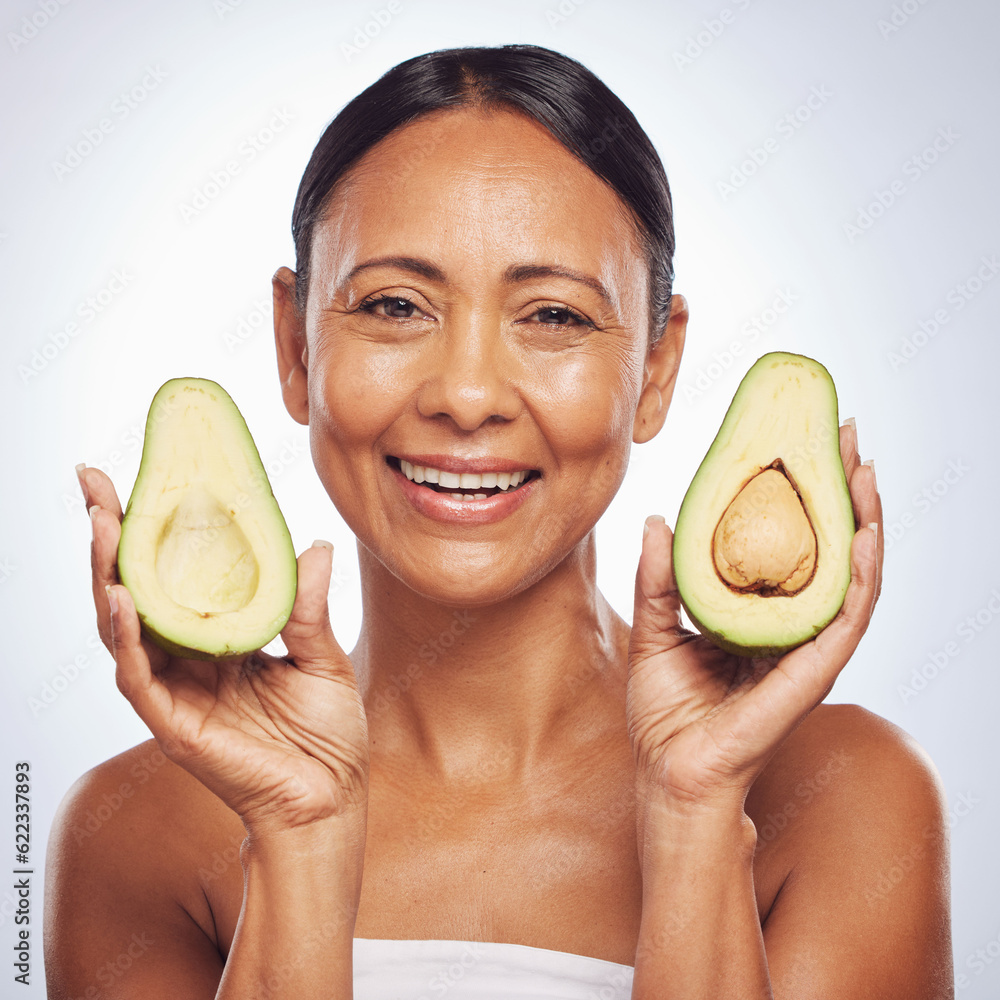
(502, 782)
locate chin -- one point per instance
(474, 583)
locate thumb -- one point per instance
(656, 622)
(308, 635)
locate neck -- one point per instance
(490, 691)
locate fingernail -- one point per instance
(650, 520)
(871, 465)
(322, 543)
(83, 485)
(874, 529)
(852, 423)
(112, 599)
(91, 510)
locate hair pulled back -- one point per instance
(556, 91)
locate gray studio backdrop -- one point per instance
(834, 174)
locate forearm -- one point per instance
(700, 936)
(296, 929)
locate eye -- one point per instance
(396, 307)
(561, 316)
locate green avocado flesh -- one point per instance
(204, 550)
(763, 539)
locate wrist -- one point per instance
(667, 823)
(305, 817)
(337, 839)
(700, 932)
(656, 791)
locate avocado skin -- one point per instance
(134, 563)
(753, 652)
(189, 652)
(695, 526)
(185, 652)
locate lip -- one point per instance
(449, 463)
(441, 507)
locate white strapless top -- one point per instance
(473, 970)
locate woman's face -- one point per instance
(477, 308)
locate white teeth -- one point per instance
(463, 480)
(414, 472)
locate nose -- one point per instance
(471, 374)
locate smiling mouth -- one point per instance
(463, 485)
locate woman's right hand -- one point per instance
(283, 741)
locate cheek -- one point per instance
(591, 405)
(355, 394)
(355, 389)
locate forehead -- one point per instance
(484, 189)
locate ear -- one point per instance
(290, 342)
(662, 363)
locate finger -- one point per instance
(107, 531)
(105, 518)
(836, 643)
(864, 493)
(145, 692)
(865, 497)
(802, 678)
(656, 620)
(849, 447)
(98, 489)
(307, 634)
(868, 510)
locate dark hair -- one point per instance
(558, 92)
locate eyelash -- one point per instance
(369, 304)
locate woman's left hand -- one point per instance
(703, 722)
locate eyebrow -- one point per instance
(513, 275)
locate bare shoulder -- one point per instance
(139, 799)
(852, 841)
(124, 867)
(847, 761)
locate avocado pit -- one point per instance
(764, 543)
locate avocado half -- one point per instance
(204, 550)
(762, 547)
